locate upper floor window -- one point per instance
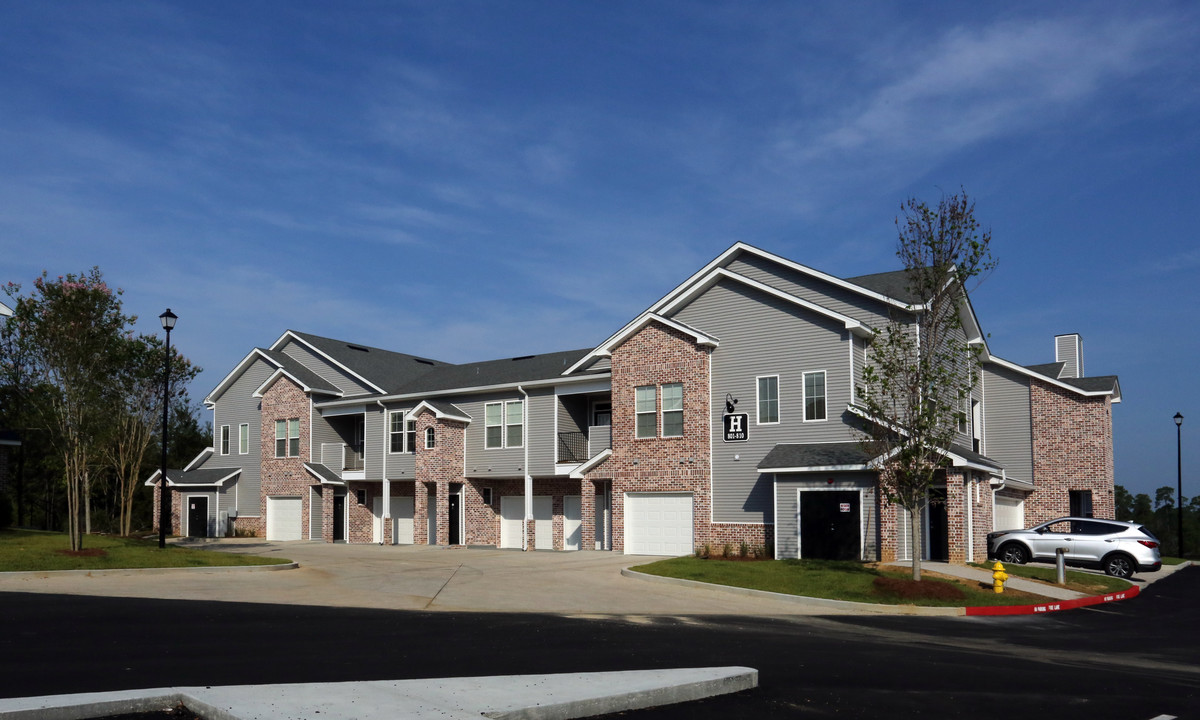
(672, 410)
(244, 438)
(402, 434)
(646, 409)
(224, 439)
(504, 424)
(287, 438)
(814, 396)
(768, 399)
(430, 438)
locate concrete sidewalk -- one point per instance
(509, 697)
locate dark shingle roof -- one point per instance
(389, 370)
(1100, 383)
(973, 457)
(509, 371)
(301, 373)
(892, 284)
(1050, 370)
(813, 455)
(200, 477)
(323, 473)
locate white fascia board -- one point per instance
(804, 269)
(1045, 378)
(314, 473)
(466, 390)
(281, 373)
(814, 469)
(211, 399)
(578, 473)
(584, 388)
(5, 311)
(605, 349)
(856, 410)
(233, 472)
(440, 415)
(200, 457)
(293, 336)
(1002, 482)
(345, 410)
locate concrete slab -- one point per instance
(509, 697)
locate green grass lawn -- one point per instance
(1088, 583)
(826, 579)
(34, 550)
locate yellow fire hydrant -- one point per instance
(998, 578)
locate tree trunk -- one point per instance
(87, 503)
(914, 521)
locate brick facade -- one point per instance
(1072, 450)
(286, 476)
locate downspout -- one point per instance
(387, 485)
(528, 477)
(970, 516)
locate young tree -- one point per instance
(69, 330)
(136, 405)
(921, 368)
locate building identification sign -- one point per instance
(737, 427)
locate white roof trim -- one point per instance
(324, 481)
(578, 473)
(605, 349)
(815, 468)
(211, 399)
(261, 389)
(5, 311)
(200, 457)
(1005, 482)
(439, 414)
(233, 472)
(465, 390)
(289, 334)
(1115, 392)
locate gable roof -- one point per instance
(506, 371)
(384, 371)
(441, 410)
(1048, 372)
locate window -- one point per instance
(243, 438)
(360, 496)
(1080, 503)
(814, 396)
(504, 424)
(487, 496)
(672, 410)
(645, 408)
(396, 431)
(287, 438)
(410, 436)
(430, 438)
(224, 439)
(768, 400)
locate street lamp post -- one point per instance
(1179, 470)
(164, 500)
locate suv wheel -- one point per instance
(1013, 554)
(1120, 565)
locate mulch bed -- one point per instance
(910, 589)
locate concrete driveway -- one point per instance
(417, 577)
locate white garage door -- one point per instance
(1010, 513)
(658, 524)
(512, 519)
(402, 512)
(284, 518)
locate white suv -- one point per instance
(1120, 548)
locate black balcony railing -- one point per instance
(572, 447)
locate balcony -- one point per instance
(577, 447)
(346, 458)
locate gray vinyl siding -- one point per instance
(1008, 435)
(319, 365)
(322, 432)
(374, 429)
(235, 406)
(762, 335)
(482, 462)
(788, 510)
(866, 310)
(542, 441)
(400, 466)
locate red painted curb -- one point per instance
(1054, 606)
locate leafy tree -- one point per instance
(68, 333)
(136, 403)
(1142, 510)
(1122, 503)
(921, 369)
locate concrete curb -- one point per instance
(150, 571)
(801, 599)
(511, 697)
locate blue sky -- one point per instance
(474, 180)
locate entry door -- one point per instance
(454, 517)
(572, 521)
(512, 518)
(830, 524)
(339, 518)
(197, 516)
(939, 526)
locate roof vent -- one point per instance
(423, 361)
(523, 357)
(358, 347)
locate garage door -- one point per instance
(402, 520)
(658, 524)
(284, 518)
(1010, 513)
(512, 519)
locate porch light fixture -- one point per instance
(1179, 478)
(164, 503)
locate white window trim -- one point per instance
(758, 402)
(224, 439)
(662, 411)
(402, 433)
(507, 424)
(244, 431)
(804, 395)
(278, 437)
(637, 413)
(504, 425)
(430, 438)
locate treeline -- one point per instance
(82, 391)
(1161, 516)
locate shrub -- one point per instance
(726, 550)
(744, 549)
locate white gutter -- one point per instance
(470, 390)
(528, 477)
(387, 485)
